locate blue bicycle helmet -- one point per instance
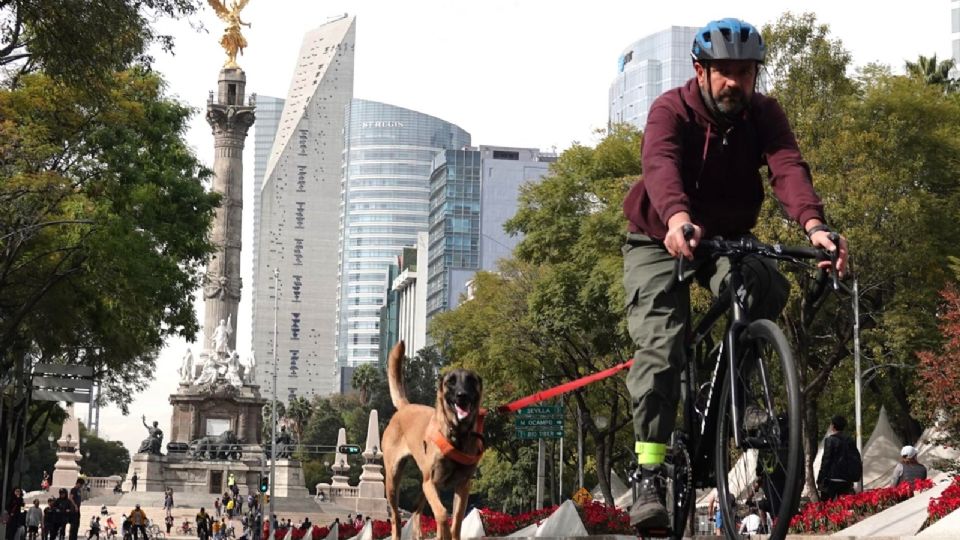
(728, 39)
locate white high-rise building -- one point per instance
(647, 68)
(269, 110)
(955, 34)
(299, 217)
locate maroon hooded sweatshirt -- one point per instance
(692, 164)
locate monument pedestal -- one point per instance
(288, 480)
(67, 470)
(149, 469)
(204, 477)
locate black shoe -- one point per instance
(648, 511)
(755, 418)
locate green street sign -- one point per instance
(541, 410)
(535, 422)
(539, 434)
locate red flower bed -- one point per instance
(840, 513)
(597, 517)
(947, 502)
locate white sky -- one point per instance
(532, 73)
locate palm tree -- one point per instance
(932, 72)
(364, 378)
(298, 412)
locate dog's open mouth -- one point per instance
(461, 412)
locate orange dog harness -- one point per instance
(450, 452)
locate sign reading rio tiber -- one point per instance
(539, 422)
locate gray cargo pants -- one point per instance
(657, 322)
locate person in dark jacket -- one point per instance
(703, 147)
(908, 469)
(16, 519)
(835, 445)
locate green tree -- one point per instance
(930, 71)
(364, 378)
(102, 457)
(267, 415)
(556, 313)
(807, 70)
(505, 484)
(883, 151)
(103, 220)
(298, 413)
(79, 40)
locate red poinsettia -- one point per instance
(947, 502)
(840, 513)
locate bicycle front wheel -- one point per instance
(765, 470)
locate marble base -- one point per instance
(288, 480)
(155, 473)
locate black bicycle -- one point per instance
(741, 426)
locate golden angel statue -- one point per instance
(232, 40)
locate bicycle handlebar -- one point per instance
(747, 246)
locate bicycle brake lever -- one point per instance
(688, 232)
(677, 277)
(834, 255)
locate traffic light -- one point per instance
(349, 449)
(264, 484)
(266, 498)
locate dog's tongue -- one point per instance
(461, 413)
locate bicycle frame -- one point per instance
(730, 302)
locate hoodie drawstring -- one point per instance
(703, 159)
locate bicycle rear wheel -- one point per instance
(767, 466)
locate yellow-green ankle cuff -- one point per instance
(650, 453)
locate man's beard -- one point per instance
(731, 102)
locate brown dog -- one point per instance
(445, 441)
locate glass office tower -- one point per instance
(648, 68)
(385, 192)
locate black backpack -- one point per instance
(849, 465)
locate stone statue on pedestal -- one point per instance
(186, 368)
(208, 372)
(152, 444)
(233, 370)
(221, 335)
(284, 445)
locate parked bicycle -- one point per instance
(154, 532)
(186, 528)
(741, 400)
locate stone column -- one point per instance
(371, 480)
(230, 120)
(66, 470)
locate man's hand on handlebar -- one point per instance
(677, 243)
(822, 239)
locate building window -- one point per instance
(294, 326)
(503, 154)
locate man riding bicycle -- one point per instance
(703, 147)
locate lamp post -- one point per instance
(857, 387)
(273, 403)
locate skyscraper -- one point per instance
(269, 110)
(299, 216)
(955, 33)
(385, 203)
(472, 194)
(647, 68)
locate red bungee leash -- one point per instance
(563, 388)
